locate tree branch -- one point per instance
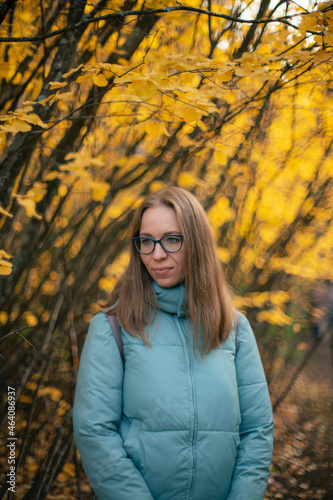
(150, 12)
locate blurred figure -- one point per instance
(318, 308)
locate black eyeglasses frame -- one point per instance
(138, 238)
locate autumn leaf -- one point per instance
(57, 85)
(5, 265)
(226, 76)
(191, 115)
(20, 126)
(83, 78)
(100, 80)
(4, 212)
(29, 205)
(144, 88)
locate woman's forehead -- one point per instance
(160, 219)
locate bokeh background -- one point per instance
(103, 102)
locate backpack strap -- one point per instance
(117, 334)
(236, 329)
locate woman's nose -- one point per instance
(159, 252)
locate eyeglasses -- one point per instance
(171, 243)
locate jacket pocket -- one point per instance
(132, 443)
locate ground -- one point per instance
(302, 460)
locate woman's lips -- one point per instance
(161, 270)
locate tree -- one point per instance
(102, 103)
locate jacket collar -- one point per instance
(171, 300)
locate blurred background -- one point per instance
(103, 102)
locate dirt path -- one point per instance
(302, 461)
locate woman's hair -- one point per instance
(133, 300)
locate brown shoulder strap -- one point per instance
(117, 334)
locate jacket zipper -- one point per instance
(195, 419)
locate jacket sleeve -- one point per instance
(254, 453)
(97, 414)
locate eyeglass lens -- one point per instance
(168, 243)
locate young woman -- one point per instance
(188, 415)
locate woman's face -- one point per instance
(167, 269)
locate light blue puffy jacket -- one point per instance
(172, 425)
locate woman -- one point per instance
(188, 416)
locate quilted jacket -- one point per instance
(171, 424)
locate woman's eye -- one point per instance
(145, 242)
(172, 240)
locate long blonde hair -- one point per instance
(133, 300)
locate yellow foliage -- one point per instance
(30, 318)
(187, 180)
(53, 392)
(5, 265)
(20, 126)
(224, 255)
(3, 317)
(144, 88)
(225, 76)
(32, 386)
(191, 115)
(156, 186)
(275, 317)
(220, 212)
(220, 157)
(29, 206)
(99, 190)
(107, 284)
(100, 80)
(25, 399)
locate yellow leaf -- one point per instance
(154, 129)
(191, 115)
(220, 157)
(62, 190)
(227, 76)
(21, 126)
(144, 88)
(51, 176)
(54, 393)
(25, 399)
(5, 263)
(224, 255)
(8, 128)
(29, 206)
(168, 100)
(187, 180)
(30, 318)
(5, 266)
(4, 212)
(83, 78)
(57, 85)
(37, 192)
(100, 80)
(3, 317)
(302, 346)
(5, 271)
(5, 255)
(32, 118)
(156, 186)
(64, 95)
(72, 71)
(99, 190)
(202, 152)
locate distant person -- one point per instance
(318, 303)
(188, 416)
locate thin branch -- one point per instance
(17, 332)
(150, 12)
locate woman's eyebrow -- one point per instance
(166, 233)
